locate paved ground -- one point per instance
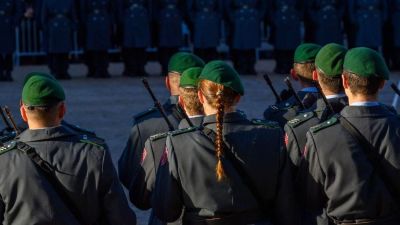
(107, 105)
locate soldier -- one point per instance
(169, 17)
(354, 176)
(205, 18)
(151, 122)
(60, 175)
(209, 182)
(59, 22)
(302, 71)
(134, 23)
(142, 186)
(367, 17)
(328, 73)
(284, 17)
(98, 18)
(325, 18)
(10, 14)
(245, 18)
(391, 45)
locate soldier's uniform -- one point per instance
(151, 122)
(391, 37)
(169, 17)
(59, 22)
(337, 176)
(244, 17)
(367, 17)
(10, 13)
(205, 19)
(134, 23)
(284, 17)
(98, 18)
(325, 21)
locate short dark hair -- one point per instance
(363, 85)
(304, 71)
(332, 84)
(192, 102)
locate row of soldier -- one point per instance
(197, 159)
(135, 25)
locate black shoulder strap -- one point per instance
(373, 156)
(49, 172)
(239, 168)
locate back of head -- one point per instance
(304, 58)
(221, 85)
(329, 66)
(365, 70)
(188, 91)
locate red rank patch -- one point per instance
(164, 157)
(305, 151)
(286, 139)
(144, 155)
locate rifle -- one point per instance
(11, 119)
(3, 117)
(395, 89)
(157, 104)
(328, 105)
(269, 82)
(291, 89)
(185, 116)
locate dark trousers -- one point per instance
(244, 61)
(284, 61)
(134, 60)
(58, 65)
(97, 63)
(6, 66)
(165, 54)
(207, 54)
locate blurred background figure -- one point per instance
(134, 34)
(10, 14)
(98, 20)
(169, 17)
(391, 37)
(244, 19)
(205, 22)
(285, 17)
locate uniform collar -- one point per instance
(195, 120)
(45, 134)
(367, 111)
(340, 99)
(309, 89)
(335, 96)
(228, 118)
(368, 104)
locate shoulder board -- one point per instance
(144, 113)
(93, 141)
(159, 136)
(182, 131)
(265, 123)
(8, 147)
(325, 124)
(300, 119)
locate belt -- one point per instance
(233, 219)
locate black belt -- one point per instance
(232, 219)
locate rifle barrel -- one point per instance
(11, 119)
(271, 86)
(296, 96)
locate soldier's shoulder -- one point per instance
(183, 131)
(266, 123)
(7, 147)
(300, 119)
(93, 140)
(159, 136)
(142, 115)
(79, 129)
(328, 123)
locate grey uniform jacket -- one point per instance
(145, 124)
(296, 129)
(186, 175)
(84, 167)
(338, 176)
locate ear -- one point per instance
(237, 99)
(201, 97)
(293, 74)
(22, 110)
(315, 75)
(167, 83)
(62, 110)
(382, 84)
(181, 102)
(345, 82)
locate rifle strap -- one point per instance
(372, 155)
(49, 172)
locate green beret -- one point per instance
(365, 62)
(33, 74)
(190, 77)
(306, 53)
(330, 59)
(221, 73)
(42, 91)
(182, 61)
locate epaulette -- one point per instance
(300, 119)
(182, 131)
(265, 123)
(8, 147)
(92, 140)
(144, 113)
(159, 136)
(333, 120)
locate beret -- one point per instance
(306, 53)
(42, 91)
(190, 77)
(182, 61)
(330, 59)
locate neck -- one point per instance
(361, 98)
(38, 125)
